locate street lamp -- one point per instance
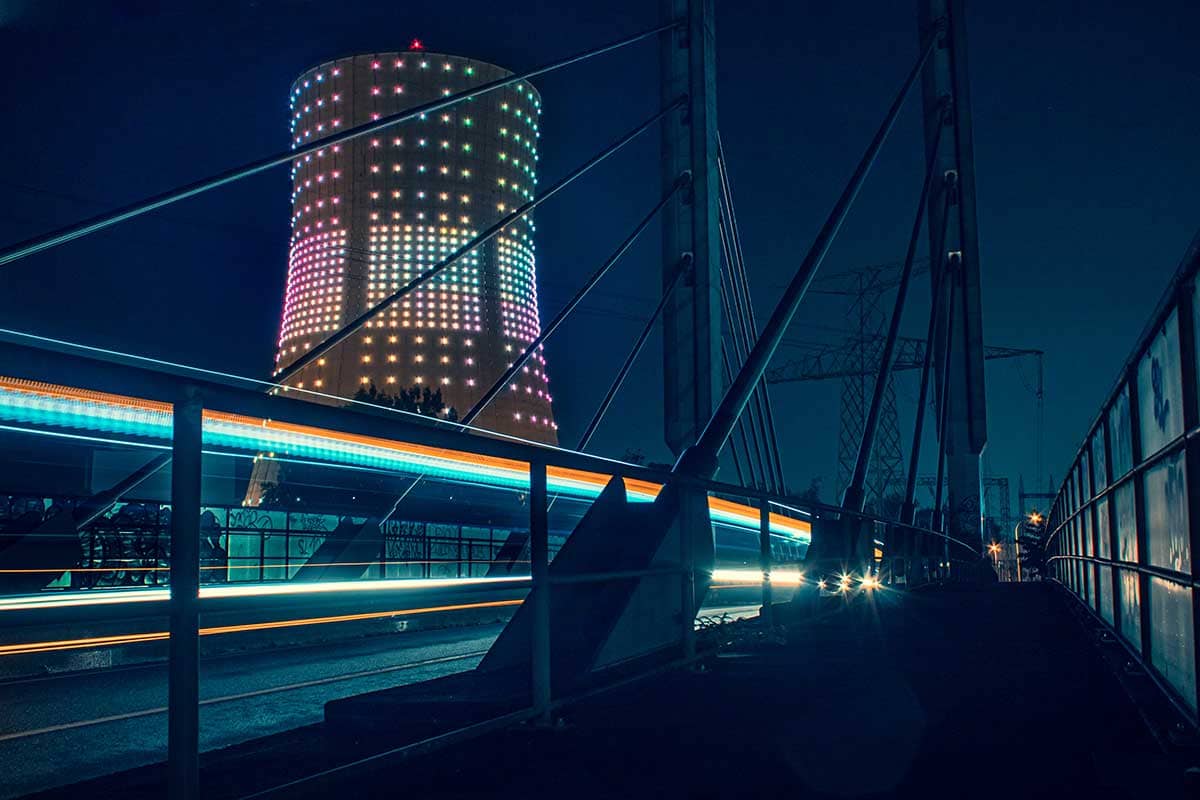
(994, 549)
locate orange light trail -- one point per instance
(720, 509)
(136, 638)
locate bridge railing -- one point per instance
(128, 545)
(199, 416)
(1124, 528)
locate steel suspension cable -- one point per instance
(944, 397)
(325, 346)
(751, 323)
(759, 407)
(909, 509)
(591, 282)
(855, 497)
(533, 346)
(98, 223)
(741, 430)
(701, 458)
(743, 342)
(351, 327)
(753, 424)
(681, 269)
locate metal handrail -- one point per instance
(1169, 449)
(1166, 573)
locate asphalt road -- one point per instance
(60, 729)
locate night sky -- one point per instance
(1086, 128)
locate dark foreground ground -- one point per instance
(996, 692)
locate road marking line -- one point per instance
(27, 648)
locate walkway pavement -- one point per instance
(951, 693)
(994, 692)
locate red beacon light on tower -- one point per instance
(416, 44)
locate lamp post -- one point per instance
(1017, 548)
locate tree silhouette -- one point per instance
(416, 399)
(813, 493)
(1033, 547)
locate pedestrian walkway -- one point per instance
(955, 693)
(950, 692)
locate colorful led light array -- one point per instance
(371, 214)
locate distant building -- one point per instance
(370, 214)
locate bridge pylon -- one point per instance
(944, 80)
(692, 318)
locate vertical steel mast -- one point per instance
(947, 101)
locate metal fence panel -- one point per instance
(1165, 491)
(1171, 642)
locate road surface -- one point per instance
(60, 729)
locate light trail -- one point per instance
(147, 712)
(102, 597)
(749, 577)
(98, 597)
(376, 563)
(28, 648)
(50, 408)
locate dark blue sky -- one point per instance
(1085, 122)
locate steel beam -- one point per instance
(183, 661)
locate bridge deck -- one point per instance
(949, 693)
(953, 693)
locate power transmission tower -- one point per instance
(885, 474)
(855, 362)
(997, 500)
